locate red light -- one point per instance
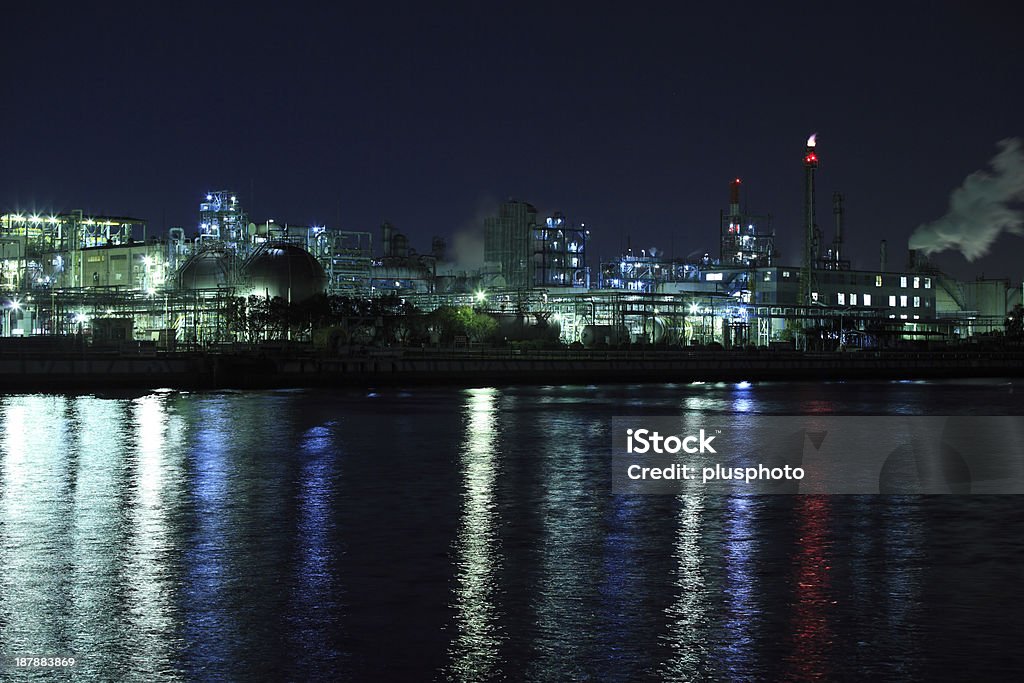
(737, 181)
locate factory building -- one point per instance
(401, 270)
(760, 301)
(105, 276)
(746, 239)
(75, 250)
(560, 254)
(522, 253)
(508, 244)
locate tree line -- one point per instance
(334, 320)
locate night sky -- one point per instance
(631, 120)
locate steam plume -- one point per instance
(468, 248)
(981, 209)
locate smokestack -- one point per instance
(734, 198)
(882, 259)
(837, 211)
(810, 228)
(437, 248)
(387, 230)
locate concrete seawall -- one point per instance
(253, 369)
(97, 371)
(564, 368)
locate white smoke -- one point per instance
(468, 248)
(981, 209)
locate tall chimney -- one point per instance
(810, 228)
(734, 198)
(882, 260)
(837, 210)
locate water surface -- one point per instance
(472, 535)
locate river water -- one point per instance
(471, 534)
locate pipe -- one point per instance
(837, 210)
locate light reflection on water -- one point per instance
(35, 527)
(475, 655)
(99, 533)
(231, 536)
(149, 554)
(570, 543)
(209, 626)
(810, 654)
(741, 614)
(316, 598)
(689, 614)
(904, 552)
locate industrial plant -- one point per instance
(110, 280)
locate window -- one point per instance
(785, 273)
(903, 316)
(917, 282)
(903, 281)
(878, 281)
(767, 276)
(867, 299)
(841, 299)
(714, 277)
(814, 297)
(903, 300)
(853, 299)
(917, 317)
(917, 302)
(927, 283)
(892, 300)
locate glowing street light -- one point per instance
(481, 296)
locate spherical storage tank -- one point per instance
(283, 270)
(207, 270)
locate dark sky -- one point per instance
(632, 120)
